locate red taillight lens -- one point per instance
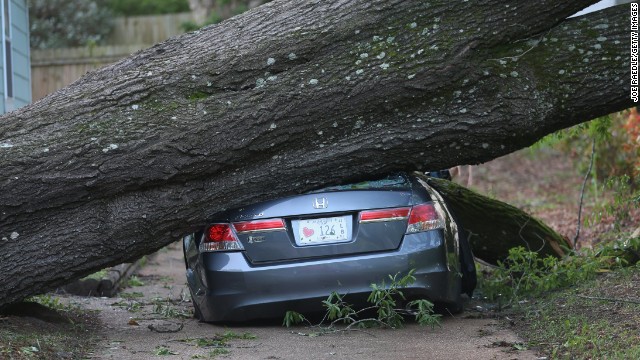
(423, 217)
(259, 225)
(220, 237)
(220, 232)
(384, 215)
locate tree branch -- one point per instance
(584, 184)
(630, 301)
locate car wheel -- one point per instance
(450, 308)
(455, 307)
(467, 264)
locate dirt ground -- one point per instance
(133, 334)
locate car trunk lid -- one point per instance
(324, 224)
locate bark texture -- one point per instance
(285, 98)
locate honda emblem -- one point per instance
(320, 203)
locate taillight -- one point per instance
(384, 215)
(220, 237)
(259, 225)
(423, 217)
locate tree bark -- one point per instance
(288, 97)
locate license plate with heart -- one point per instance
(322, 231)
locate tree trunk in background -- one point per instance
(289, 97)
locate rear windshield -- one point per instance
(392, 181)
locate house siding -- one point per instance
(20, 53)
(2, 101)
(20, 60)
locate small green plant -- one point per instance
(163, 350)
(50, 301)
(218, 342)
(230, 335)
(525, 273)
(97, 275)
(132, 295)
(218, 351)
(29, 350)
(384, 302)
(166, 309)
(292, 318)
(130, 305)
(135, 281)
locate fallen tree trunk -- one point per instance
(288, 97)
(493, 227)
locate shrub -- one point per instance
(616, 161)
(68, 23)
(524, 273)
(617, 139)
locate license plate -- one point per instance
(322, 231)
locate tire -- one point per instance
(467, 264)
(452, 308)
(455, 307)
(196, 311)
(197, 314)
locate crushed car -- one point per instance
(264, 259)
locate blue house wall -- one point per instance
(15, 82)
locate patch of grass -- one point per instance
(97, 275)
(230, 335)
(143, 261)
(134, 281)
(163, 350)
(219, 351)
(130, 305)
(22, 338)
(585, 306)
(598, 319)
(132, 295)
(50, 301)
(218, 342)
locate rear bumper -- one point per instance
(227, 288)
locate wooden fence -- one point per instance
(135, 30)
(53, 69)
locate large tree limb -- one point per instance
(285, 98)
(494, 227)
